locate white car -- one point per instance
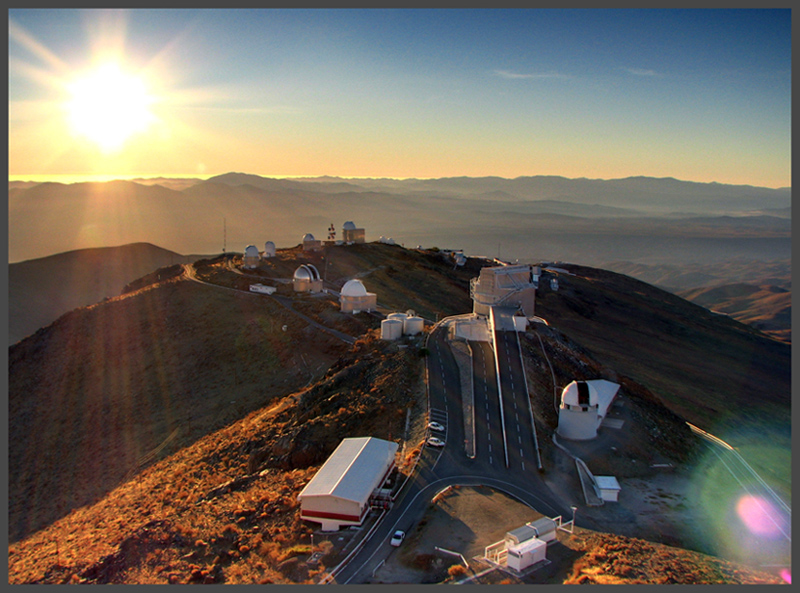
(436, 426)
(397, 538)
(434, 442)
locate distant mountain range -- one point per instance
(588, 220)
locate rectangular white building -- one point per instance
(339, 493)
(507, 286)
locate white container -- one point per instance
(391, 329)
(399, 316)
(413, 326)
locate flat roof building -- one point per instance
(340, 492)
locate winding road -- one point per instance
(450, 465)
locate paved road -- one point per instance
(439, 468)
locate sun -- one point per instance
(108, 106)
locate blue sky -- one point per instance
(701, 95)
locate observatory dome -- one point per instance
(308, 237)
(579, 393)
(251, 251)
(306, 272)
(349, 226)
(269, 248)
(354, 288)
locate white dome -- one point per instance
(308, 237)
(354, 288)
(306, 272)
(579, 393)
(349, 226)
(251, 251)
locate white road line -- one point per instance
(519, 440)
(520, 453)
(523, 466)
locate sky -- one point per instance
(699, 95)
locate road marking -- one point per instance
(520, 453)
(523, 466)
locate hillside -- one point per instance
(713, 371)
(125, 416)
(94, 394)
(41, 290)
(765, 307)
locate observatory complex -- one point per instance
(583, 406)
(251, 257)
(505, 286)
(355, 298)
(351, 234)
(307, 279)
(310, 243)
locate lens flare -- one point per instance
(786, 575)
(758, 515)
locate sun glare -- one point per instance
(108, 106)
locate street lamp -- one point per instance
(574, 508)
(312, 542)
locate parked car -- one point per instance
(436, 426)
(434, 442)
(397, 538)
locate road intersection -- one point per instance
(441, 467)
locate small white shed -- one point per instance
(609, 487)
(526, 554)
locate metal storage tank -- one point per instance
(400, 316)
(413, 325)
(391, 329)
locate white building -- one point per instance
(262, 289)
(583, 406)
(307, 279)
(251, 257)
(351, 234)
(506, 286)
(340, 492)
(354, 298)
(526, 554)
(269, 249)
(608, 488)
(310, 243)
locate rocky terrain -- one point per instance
(162, 436)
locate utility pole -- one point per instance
(224, 234)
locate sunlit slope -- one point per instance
(717, 373)
(40, 290)
(95, 393)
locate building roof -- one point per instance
(251, 251)
(308, 237)
(532, 529)
(353, 470)
(607, 483)
(598, 392)
(306, 272)
(354, 288)
(349, 226)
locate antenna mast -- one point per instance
(224, 234)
